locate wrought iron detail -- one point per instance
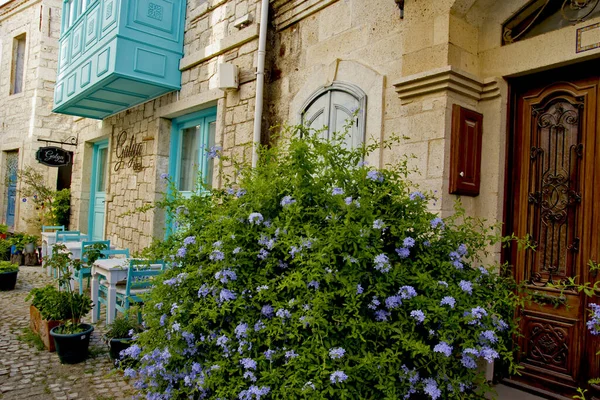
(70, 141)
(554, 194)
(537, 11)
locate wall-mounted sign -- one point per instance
(588, 37)
(53, 156)
(129, 153)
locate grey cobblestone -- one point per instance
(27, 373)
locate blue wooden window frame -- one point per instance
(202, 120)
(73, 11)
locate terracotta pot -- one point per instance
(42, 327)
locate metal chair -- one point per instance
(86, 272)
(102, 287)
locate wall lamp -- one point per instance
(400, 4)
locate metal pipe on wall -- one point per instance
(260, 79)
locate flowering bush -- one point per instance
(319, 276)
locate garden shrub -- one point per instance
(318, 276)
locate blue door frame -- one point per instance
(12, 165)
(98, 194)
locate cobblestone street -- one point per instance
(27, 373)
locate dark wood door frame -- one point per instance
(517, 87)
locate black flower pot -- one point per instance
(72, 348)
(8, 280)
(118, 345)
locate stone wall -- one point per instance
(27, 116)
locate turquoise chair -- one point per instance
(48, 228)
(139, 281)
(87, 271)
(102, 287)
(70, 236)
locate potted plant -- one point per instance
(3, 231)
(48, 309)
(72, 338)
(8, 275)
(120, 335)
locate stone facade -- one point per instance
(412, 70)
(27, 116)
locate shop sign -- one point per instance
(53, 156)
(128, 153)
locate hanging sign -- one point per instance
(129, 153)
(53, 156)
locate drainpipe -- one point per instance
(260, 79)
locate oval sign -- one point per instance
(53, 156)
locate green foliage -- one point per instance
(121, 327)
(32, 339)
(5, 245)
(309, 253)
(19, 240)
(53, 206)
(3, 229)
(7, 266)
(65, 304)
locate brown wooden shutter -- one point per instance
(465, 156)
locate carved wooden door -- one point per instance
(555, 175)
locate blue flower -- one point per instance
(176, 327)
(189, 240)
(489, 336)
(225, 276)
(214, 152)
(267, 310)
(307, 385)
(240, 193)
(382, 263)
(407, 292)
(226, 295)
(444, 348)
(338, 377)
(437, 222)
(241, 331)
(348, 200)
(290, 354)
(217, 255)
(382, 315)
(418, 315)
(408, 242)
(313, 284)
(443, 283)
(203, 291)
(248, 363)
(287, 200)
(283, 313)
(337, 191)
(262, 254)
(374, 303)
(164, 176)
(488, 354)
(448, 300)
(430, 387)
(359, 289)
(462, 249)
(269, 354)
(466, 286)
(403, 252)
(467, 359)
(336, 353)
(378, 224)
(259, 326)
(181, 252)
(255, 218)
(393, 302)
(416, 195)
(375, 176)
(236, 250)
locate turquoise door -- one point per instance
(12, 165)
(98, 191)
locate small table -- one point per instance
(115, 270)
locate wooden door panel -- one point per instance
(554, 153)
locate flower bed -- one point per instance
(319, 276)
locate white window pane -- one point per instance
(316, 115)
(343, 106)
(190, 146)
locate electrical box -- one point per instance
(227, 74)
(465, 152)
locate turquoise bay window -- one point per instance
(192, 136)
(115, 54)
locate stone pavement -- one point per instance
(26, 373)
